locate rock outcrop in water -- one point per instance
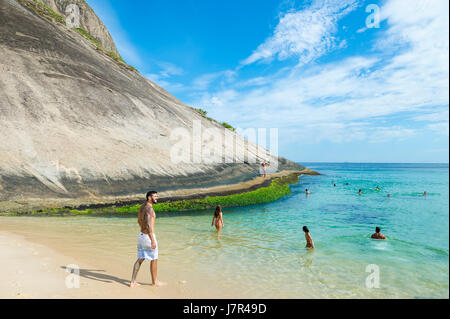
(77, 122)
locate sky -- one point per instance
(342, 81)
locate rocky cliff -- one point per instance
(88, 20)
(77, 122)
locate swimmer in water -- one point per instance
(360, 192)
(307, 192)
(378, 234)
(377, 189)
(309, 241)
(389, 195)
(424, 194)
(218, 218)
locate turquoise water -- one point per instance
(263, 246)
(260, 253)
(413, 262)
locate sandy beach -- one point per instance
(34, 271)
(37, 250)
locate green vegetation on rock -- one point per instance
(88, 36)
(275, 191)
(111, 54)
(228, 126)
(42, 10)
(278, 188)
(204, 114)
(46, 12)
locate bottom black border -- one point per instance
(241, 308)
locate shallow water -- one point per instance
(260, 253)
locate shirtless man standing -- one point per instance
(309, 241)
(147, 244)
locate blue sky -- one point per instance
(336, 88)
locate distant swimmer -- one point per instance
(147, 244)
(389, 195)
(307, 192)
(360, 192)
(218, 218)
(378, 234)
(377, 189)
(424, 194)
(309, 241)
(334, 185)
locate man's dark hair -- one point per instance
(378, 229)
(149, 194)
(305, 229)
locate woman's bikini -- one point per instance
(217, 222)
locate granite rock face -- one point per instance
(88, 20)
(74, 123)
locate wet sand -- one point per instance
(31, 270)
(37, 250)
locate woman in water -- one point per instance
(218, 218)
(309, 240)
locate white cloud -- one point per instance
(163, 77)
(432, 116)
(157, 79)
(257, 81)
(162, 81)
(307, 33)
(361, 30)
(383, 134)
(335, 101)
(204, 81)
(168, 69)
(440, 128)
(338, 132)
